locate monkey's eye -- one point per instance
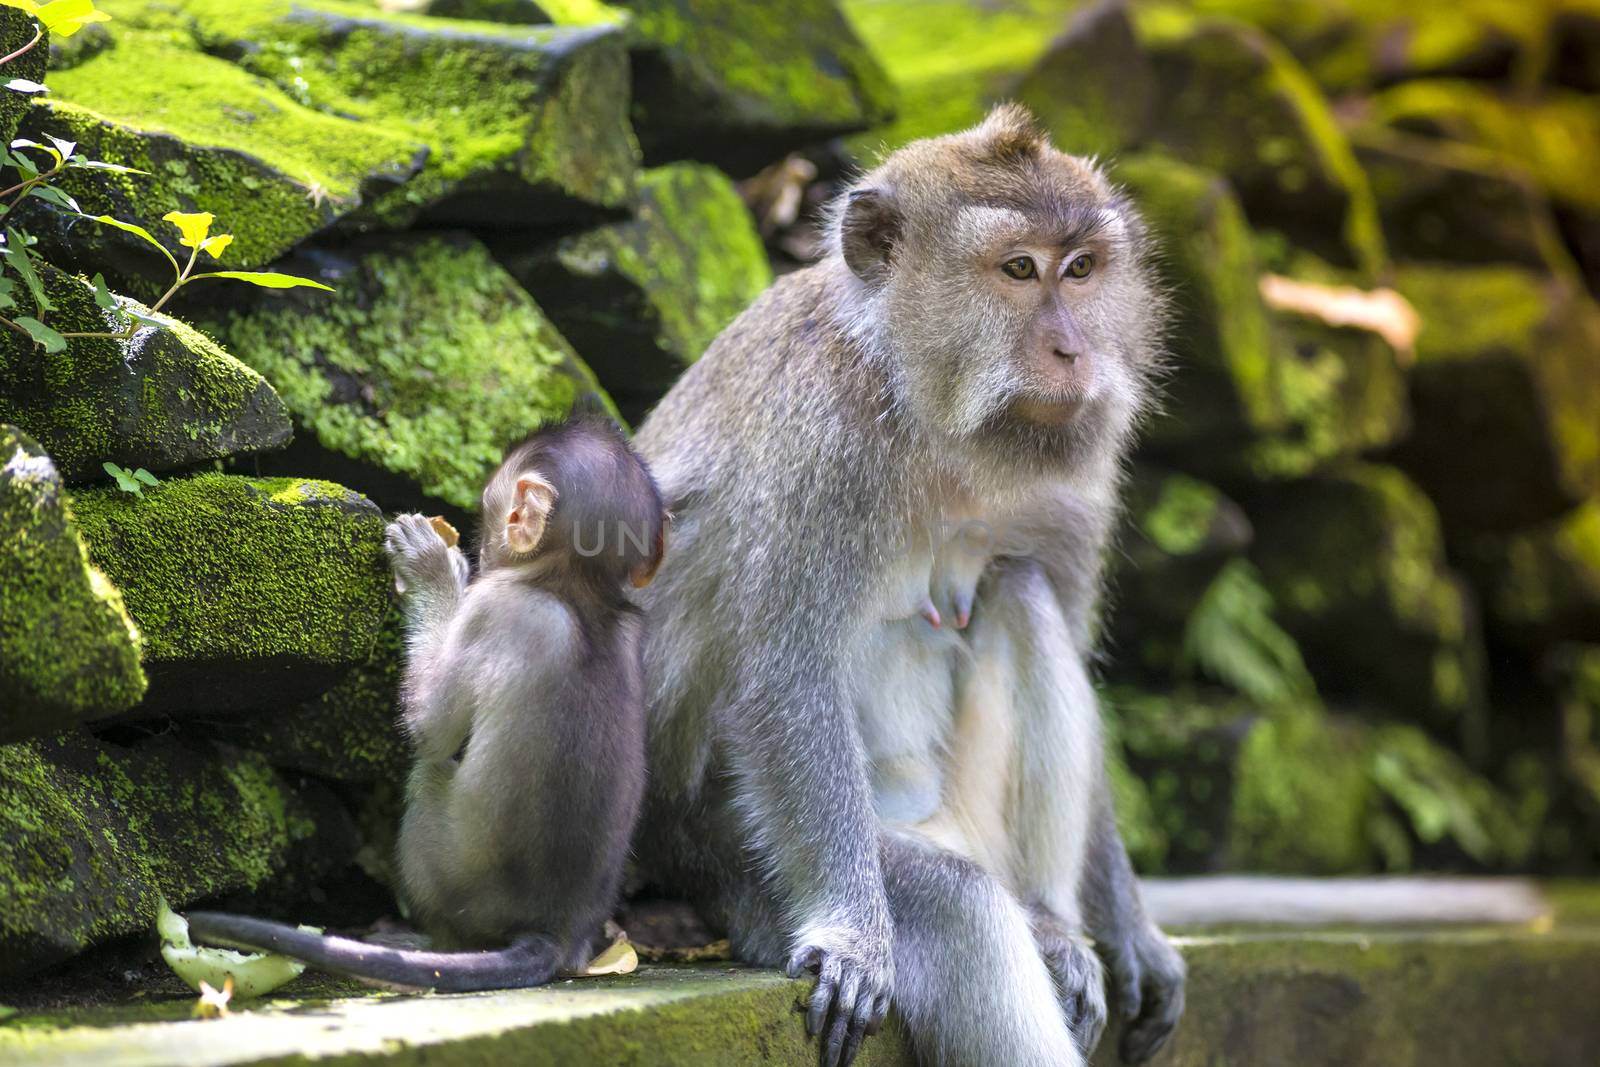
(1081, 265)
(1021, 268)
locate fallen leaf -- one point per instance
(247, 974)
(1380, 311)
(619, 958)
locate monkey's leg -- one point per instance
(970, 984)
(1026, 697)
(1070, 862)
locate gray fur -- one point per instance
(909, 811)
(523, 697)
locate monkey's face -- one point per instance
(1020, 315)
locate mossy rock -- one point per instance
(1540, 585)
(950, 60)
(1253, 396)
(252, 593)
(415, 376)
(68, 651)
(1237, 787)
(1506, 387)
(92, 834)
(1178, 532)
(211, 137)
(643, 298)
(740, 84)
(1456, 203)
(351, 733)
(1094, 87)
(1235, 101)
(1576, 671)
(162, 399)
(1554, 136)
(17, 28)
(526, 124)
(1355, 562)
(1361, 44)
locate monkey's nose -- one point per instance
(1069, 356)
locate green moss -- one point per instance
(718, 69)
(1542, 584)
(162, 399)
(91, 833)
(16, 30)
(211, 137)
(68, 651)
(522, 111)
(351, 733)
(1506, 385)
(1355, 562)
(1094, 87)
(1554, 137)
(427, 363)
(1302, 796)
(229, 569)
(644, 297)
(1237, 102)
(950, 61)
(1180, 519)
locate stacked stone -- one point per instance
(198, 682)
(1355, 609)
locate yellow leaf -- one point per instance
(215, 245)
(193, 225)
(63, 18)
(619, 958)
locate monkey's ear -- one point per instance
(868, 232)
(530, 508)
(644, 572)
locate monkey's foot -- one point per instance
(1079, 980)
(850, 999)
(420, 558)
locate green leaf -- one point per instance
(56, 196)
(125, 479)
(146, 477)
(137, 231)
(66, 148)
(63, 18)
(7, 287)
(23, 85)
(23, 142)
(102, 295)
(21, 261)
(52, 341)
(147, 319)
(265, 279)
(100, 164)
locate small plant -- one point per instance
(131, 481)
(1232, 637)
(63, 18)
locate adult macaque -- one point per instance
(875, 751)
(524, 700)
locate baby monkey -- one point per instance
(523, 697)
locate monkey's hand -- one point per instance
(421, 561)
(1148, 977)
(855, 974)
(1080, 980)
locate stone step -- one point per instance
(1484, 994)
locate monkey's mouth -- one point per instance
(1056, 410)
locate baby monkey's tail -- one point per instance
(528, 961)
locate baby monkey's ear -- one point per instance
(530, 507)
(644, 572)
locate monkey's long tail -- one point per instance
(529, 961)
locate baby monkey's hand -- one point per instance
(420, 558)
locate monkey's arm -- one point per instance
(431, 578)
(795, 750)
(1147, 974)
